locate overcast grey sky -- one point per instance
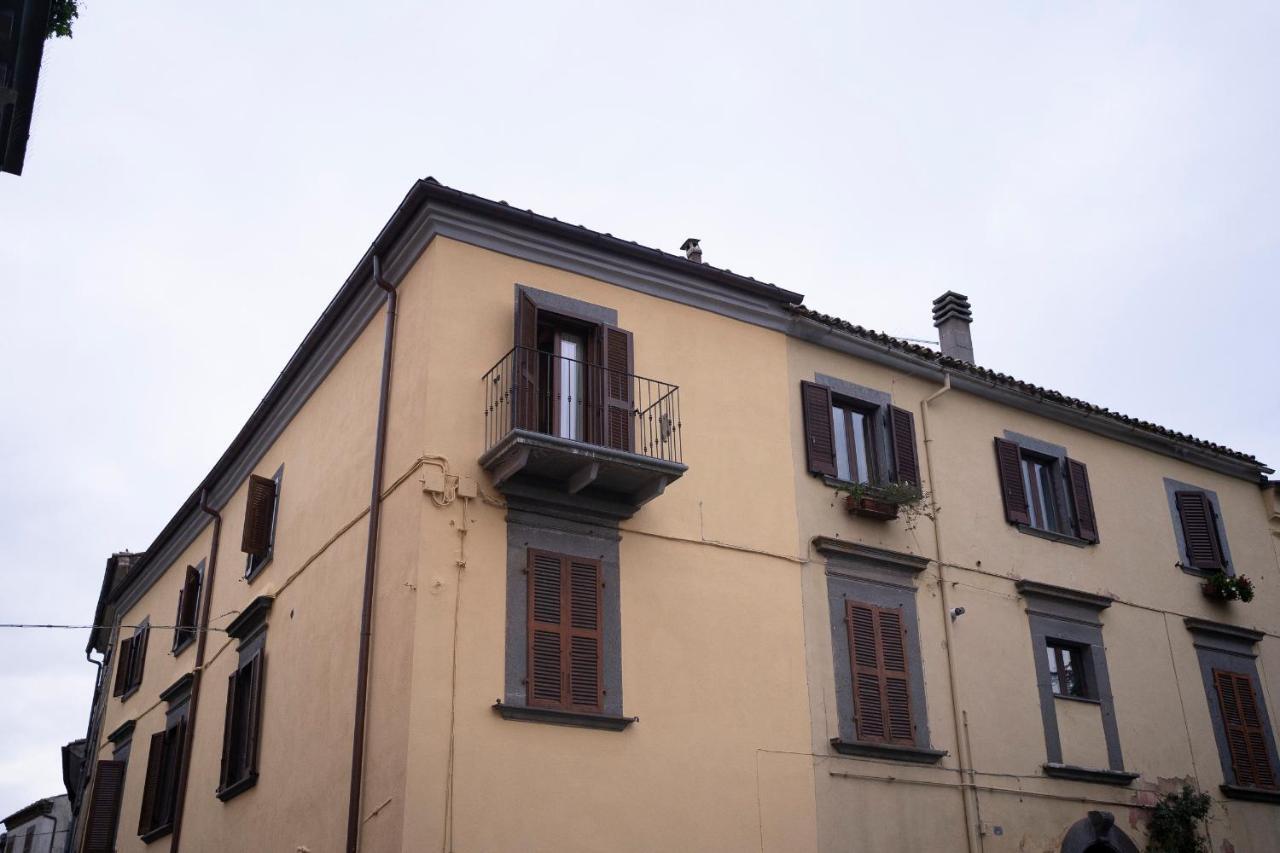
(1102, 182)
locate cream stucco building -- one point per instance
(608, 600)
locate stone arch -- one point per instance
(1097, 833)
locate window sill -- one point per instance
(156, 834)
(124, 697)
(237, 788)
(1089, 774)
(1205, 573)
(563, 718)
(893, 751)
(251, 571)
(1257, 795)
(182, 646)
(1088, 700)
(1053, 536)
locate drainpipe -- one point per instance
(202, 634)
(370, 562)
(972, 835)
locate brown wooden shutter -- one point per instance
(138, 665)
(618, 395)
(124, 654)
(1012, 489)
(29, 840)
(819, 431)
(1242, 724)
(225, 775)
(259, 509)
(585, 661)
(880, 677)
(253, 712)
(1199, 530)
(104, 808)
(546, 629)
(524, 407)
(151, 785)
(902, 436)
(1082, 500)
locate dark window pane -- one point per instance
(839, 418)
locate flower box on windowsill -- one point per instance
(1223, 587)
(870, 507)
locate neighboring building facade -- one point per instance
(39, 828)
(610, 612)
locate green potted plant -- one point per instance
(881, 502)
(1223, 587)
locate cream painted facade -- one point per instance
(724, 623)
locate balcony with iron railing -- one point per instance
(578, 434)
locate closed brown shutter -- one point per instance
(902, 434)
(546, 629)
(584, 652)
(151, 785)
(819, 432)
(1199, 530)
(1082, 500)
(259, 509)
(124, 654)
(1242, 724)
(566, 658)
(253, 712)
(880, 679)
(1012, 490)
(229, 749)
(618, 405)
(139, 657)
(524, 409)
(104, 808)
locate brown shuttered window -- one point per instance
(259, 515)
(104, 807)
(243, 725)
(1082, 500)
(160, 788)
(565, 667)
(133, 656)
(902, 433)
(618, 406)
(1012, 489)
(1246, 737)
(1200, 530)
(123, 656)
(819, 434)
(188, 603)
(878, 662)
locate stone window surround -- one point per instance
(1066, 518)
(1058, 613)
(877, 400)
(530, 525)
(1171, 488)
(1230, 647)
(885, 579)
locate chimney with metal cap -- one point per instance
(952, 315)
(692, 250)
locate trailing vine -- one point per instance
(1177, 820)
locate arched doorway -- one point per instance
(1097, 833)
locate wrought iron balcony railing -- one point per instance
(578, 401)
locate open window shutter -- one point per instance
(191, 597)
(139, 655)
(819, 432)
(104, 808)
(1082, 500)
(124, 654)
(253, 712)
(524, 407)
(175, 743)
(1012, 489)
(902, 434)
(546, 629)
(619, 404)
(259, 508)
(585, 658)
(150, 787)
(1242, 724)
(1199, 530)
(178, 621)
(227, 774)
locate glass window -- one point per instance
(855, 447)
(570, 386)
(1066, 670)
(1042, 499)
